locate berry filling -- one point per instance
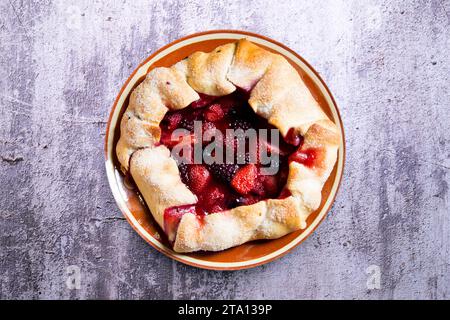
(306, 157)
(224, 184)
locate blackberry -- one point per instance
(233, 112)
(240, 124)
(183, 168)
(223, 171)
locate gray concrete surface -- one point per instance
(387, 64)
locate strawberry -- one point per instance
(199, 177)
(213, 199)
(245, 179)
(214, 112)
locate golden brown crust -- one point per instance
(278, 94)
(306, 182)
(249, 65)
(284, 100)
(207, 72)
(163, 88)
(158, 179)
(269, 219)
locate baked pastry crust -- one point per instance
(277, 93)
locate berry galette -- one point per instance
(227, 147)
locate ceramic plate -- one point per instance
(136, 212)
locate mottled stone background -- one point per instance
(61, 66)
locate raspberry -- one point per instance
(223, 171)
(214, 112)
(245, 179)
(173, 121)
(199, 177)
(210, 128)
(206, 125)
